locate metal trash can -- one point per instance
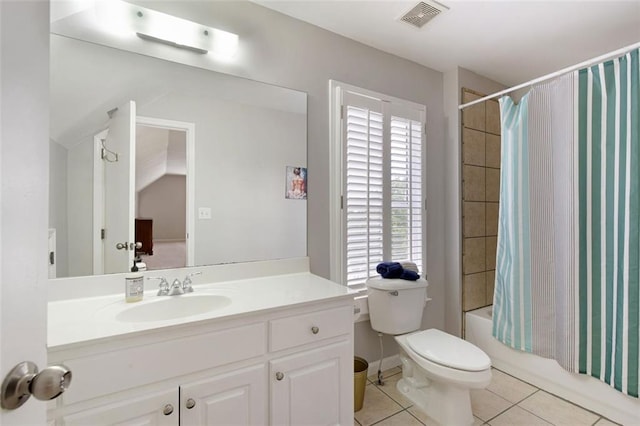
(360, 368)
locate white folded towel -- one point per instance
(409, 266)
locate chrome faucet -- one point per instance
(186, 284)
(177, 287)
(163, 287)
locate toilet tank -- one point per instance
(395, 305)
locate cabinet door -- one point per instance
(235, 398)
(139, 411)
(313, 387)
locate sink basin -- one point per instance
(173, 307)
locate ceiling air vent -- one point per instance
(422, 13)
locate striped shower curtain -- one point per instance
(533, 298)
(609, 222)
(568, 254)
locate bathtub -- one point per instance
(547, 374)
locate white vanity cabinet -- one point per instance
(235, 398)
(286, 366)
(308, 387)
(156, 409)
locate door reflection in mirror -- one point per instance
(161, 197)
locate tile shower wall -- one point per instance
(480, 196)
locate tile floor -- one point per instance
(507, 401)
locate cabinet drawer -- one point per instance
(145, 409)
(110, 372)
(300, 329)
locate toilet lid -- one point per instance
(449, 351)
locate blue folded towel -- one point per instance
(395, 270)
(390, 269)
(409, 275)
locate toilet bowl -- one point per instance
(438, 369)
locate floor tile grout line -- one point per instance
(500, 413)
(570, 403)
(550, 393)
(514, 377)
(381, 420)
(485, 422)
(411, 414)
(537, 389)
(515, 405)
(392, 398)
(534, 414)
(383, 393)
(601, 417)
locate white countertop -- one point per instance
(90, 318)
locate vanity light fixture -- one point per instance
(160, 27)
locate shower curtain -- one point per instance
(568, 253)
(609, 215)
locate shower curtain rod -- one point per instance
(563, 71)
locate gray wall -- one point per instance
(241, 156)
(71, 206)
(454, 81)
(58, 203)
(165, 202)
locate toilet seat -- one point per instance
(448, 351)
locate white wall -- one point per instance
(165, 201)
(454, 81)
(58, 203)
(80, 208)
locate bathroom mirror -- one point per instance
(207, 154)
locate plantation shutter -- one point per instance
(363, 200)
(382, 185)
(406, 190)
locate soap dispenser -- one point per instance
(134, 285)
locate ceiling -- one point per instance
(508, 41)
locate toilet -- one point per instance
(438, 369)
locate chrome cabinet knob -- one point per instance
(315, 330)
(168, 409)
(190, 403)
(279, 376)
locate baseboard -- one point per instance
(387, 363)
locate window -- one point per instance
(378, 175)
